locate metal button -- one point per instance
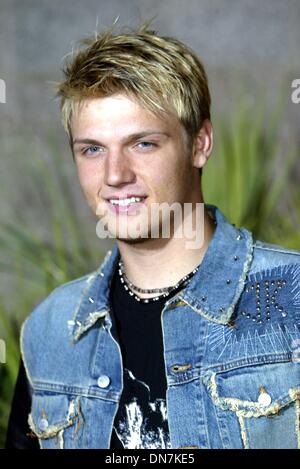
(103, 381)
(264, 399)
(43, 424)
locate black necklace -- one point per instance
(165, 292)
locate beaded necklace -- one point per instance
(164, 292)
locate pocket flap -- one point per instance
(256, 390)
(51, 413)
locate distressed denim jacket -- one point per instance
(231, 341)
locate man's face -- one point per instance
(123, 151)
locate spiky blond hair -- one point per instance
(162, 73)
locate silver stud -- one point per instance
(239, 237)
(284, 314)
(91, 300)
(236, 258)
(228, 281)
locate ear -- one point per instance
(203, 144)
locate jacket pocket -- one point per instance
(258, 406)
(55, 419)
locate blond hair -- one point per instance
(162, 73)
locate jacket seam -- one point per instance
(280, 250)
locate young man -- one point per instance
(167, 345)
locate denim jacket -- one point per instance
(231, 341)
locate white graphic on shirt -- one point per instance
(142, 424)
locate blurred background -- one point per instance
(250, 49)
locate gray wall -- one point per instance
(258, 38)
(247, 45)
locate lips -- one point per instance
(126, 195)
(128, 204)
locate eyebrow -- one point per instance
(129, 138)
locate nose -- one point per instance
(118, 169)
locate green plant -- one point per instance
(243, 177)
(8, 370)
(249, 176)
(34, 263)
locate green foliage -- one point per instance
(8, 371)
(32, 262)
(248, 177)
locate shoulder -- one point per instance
(59, 306)
(68, 293)
(273, 280)
(268, 256)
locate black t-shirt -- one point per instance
(141, 419)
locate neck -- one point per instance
(159, 263)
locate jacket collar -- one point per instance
(213, 291)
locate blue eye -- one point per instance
(92, 150)
(147, 144)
